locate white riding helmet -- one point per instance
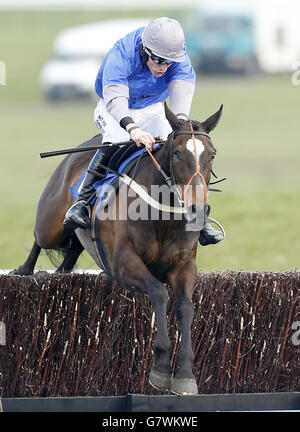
(164, 37)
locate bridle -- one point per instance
(185, 132)
(192, 132)
(171, 180)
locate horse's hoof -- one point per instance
(184, 386)
(20, 272)
(161, 381)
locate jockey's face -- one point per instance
(157, 69)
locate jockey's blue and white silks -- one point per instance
(129, 90)
(124, 68)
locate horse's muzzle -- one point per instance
(196, 217)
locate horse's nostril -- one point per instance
(193, 208)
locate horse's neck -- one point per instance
(154, 176)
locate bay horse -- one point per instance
(143, 255)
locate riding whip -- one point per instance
(89, 148)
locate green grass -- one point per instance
(257, 141)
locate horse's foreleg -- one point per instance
(71, 257)
(131, 272)
(182, 281)
(161, 372)
(28, 267)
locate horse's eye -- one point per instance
(177, 154)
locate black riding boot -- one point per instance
(208, 235)
(78, 215)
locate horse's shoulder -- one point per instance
(94, 141)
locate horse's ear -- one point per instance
(171, 117)
(212, 121)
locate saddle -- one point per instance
(122, 161)
(121, 155)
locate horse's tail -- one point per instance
(58, 253)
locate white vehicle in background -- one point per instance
(242, 34)
(77, 55)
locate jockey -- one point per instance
(140, 71)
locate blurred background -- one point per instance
(246, 55)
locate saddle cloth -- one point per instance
(121, 166)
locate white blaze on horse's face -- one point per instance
(199, 146)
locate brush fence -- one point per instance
(80, 335)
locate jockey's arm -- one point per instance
(181, 96)
(116, 100)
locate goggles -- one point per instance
(155, 58)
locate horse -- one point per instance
(144, 256)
